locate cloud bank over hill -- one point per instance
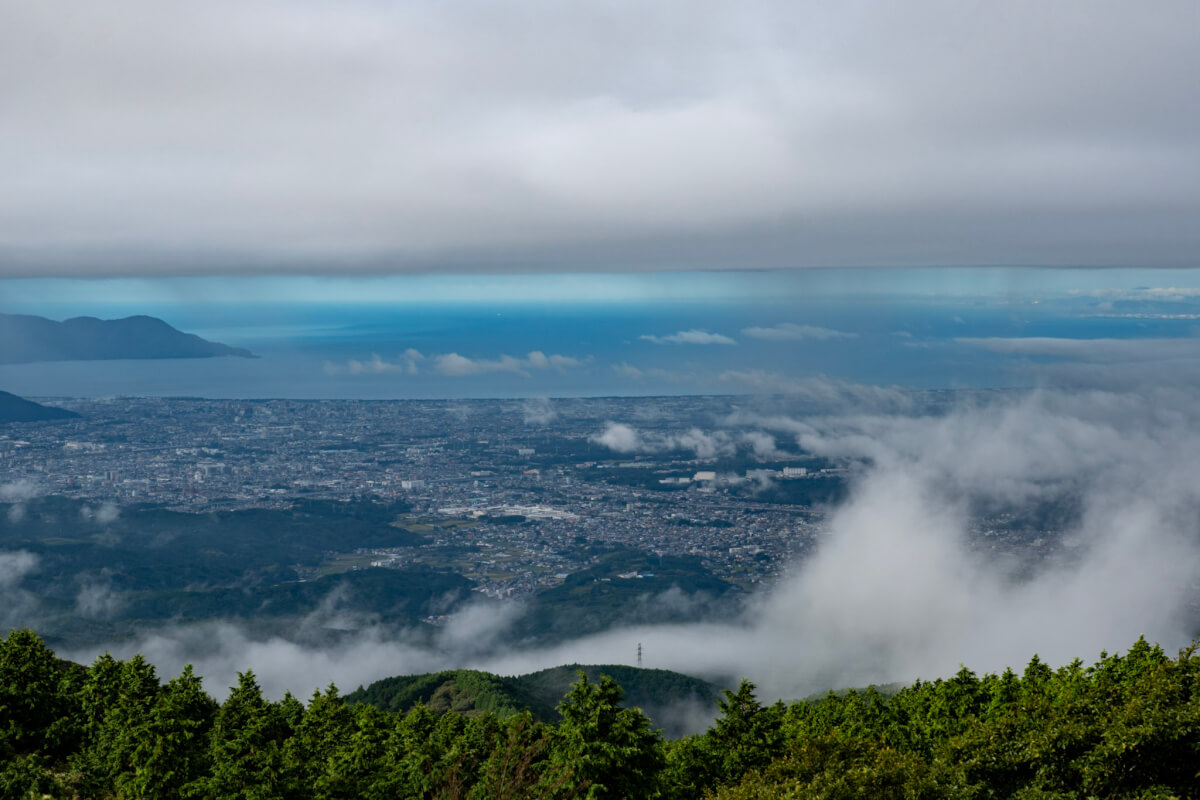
(900, 587)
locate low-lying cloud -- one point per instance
(538, 411)
(1093, 350)
(622, 438)
(693, 336)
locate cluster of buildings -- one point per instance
(526, 501)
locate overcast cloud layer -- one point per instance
(148, 137)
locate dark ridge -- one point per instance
(25, 339)
(18, 409)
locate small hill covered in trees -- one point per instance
(472, 692)
(1127, 726)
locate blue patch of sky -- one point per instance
(347, 337)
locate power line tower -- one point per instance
(639, 655)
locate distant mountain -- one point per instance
(658, 692)
(18, 409)
(25, 338)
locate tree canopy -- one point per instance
(1126, 726)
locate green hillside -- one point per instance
(466, 691)
(472, 692)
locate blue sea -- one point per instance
(754, 341)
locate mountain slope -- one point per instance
(18, 409)
(671, 699)
(25, 338)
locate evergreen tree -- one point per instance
(246, 746)
(126, 726)
(519, 766)
(747, 735)
(320, 733)
(29, 693)
(611, 751)
(171, 756)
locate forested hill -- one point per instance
(25, 338)
(18, 409)
(1127, 726)
(656, 691)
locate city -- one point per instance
(506, 493)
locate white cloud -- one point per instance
(406, 364)
(693, 336)
(791, 332)
(455, 365)
(622, 438)
(619, 438)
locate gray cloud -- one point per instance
(1099, 350)
(526, 135)
(18, 491)
(1165, 294)
(14, 566)
(105, 514)
(96, 597)
(791, 332)
(819, 390)
(538, 411)
(18, 606)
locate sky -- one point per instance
(141, 138)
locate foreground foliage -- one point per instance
(1128, 726)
